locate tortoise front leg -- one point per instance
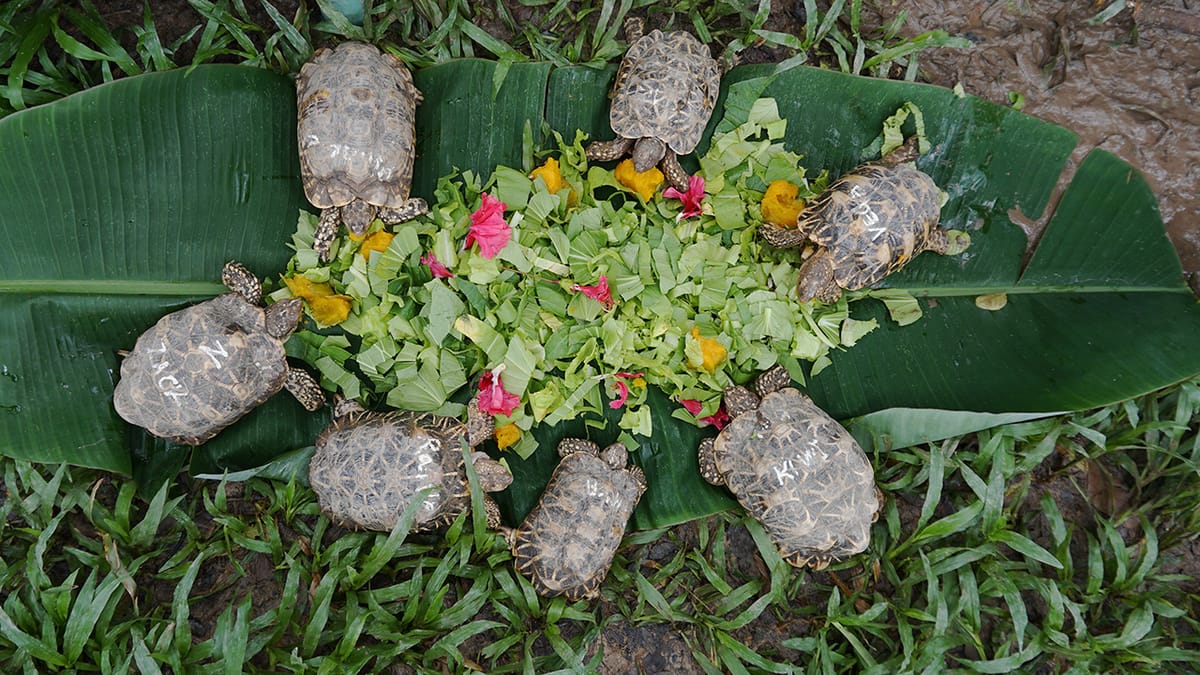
(242, 281)
(676, 176)
(305, 388)
(605, 151)
(708, 462)
(327, 229)
(410, 209)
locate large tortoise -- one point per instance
(795, 470)
(200, 369)
(866, 225)
(663, 96)
(357, 108)
(369, 466)
(566, 543)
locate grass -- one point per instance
(1046, 545)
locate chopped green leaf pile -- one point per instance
(697, 303)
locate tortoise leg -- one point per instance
(570, 445)
(708, 462)
(407, 211)
(242, 281)
(305, 388)
(816, 279)
(781, 237)
(772, 380)
(604, 151)
(634, 27)
(493, 514)
(327, 229)
(676, 176)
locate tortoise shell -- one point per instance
(567, 542)
(873, 220)
(201, 368)
(356, 127)
(369, 466)
(666, 88)
(799, 473)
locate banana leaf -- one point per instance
(122, 203)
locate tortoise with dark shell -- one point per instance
(200, 369)
(795, 470)
(567, 542)
(356, 110)
(866, 225)
(369, 466)
(664, 94)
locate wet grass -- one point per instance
(1062, 545)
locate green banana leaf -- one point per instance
(122, 203)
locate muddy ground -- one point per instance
(1131, 89)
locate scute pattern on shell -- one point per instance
(199, 369)
(873, 220)
(802, 476)
(356, 127)
(567, 542)
(369, 466)
(666, 88)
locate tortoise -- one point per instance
(795, 470)
(356, 130)
(566, 543)
(369, 466)
(664, 93)
(866, 225)
(200, 369)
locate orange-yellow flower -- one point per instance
(780, 205)
(550, 175)
(712, 353)
(327, 307)
(645, 183)
(506, 435)
(377, 241)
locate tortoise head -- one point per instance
(647, 153)
(283, 317)
(615, 456)
(907, 152)
(357, 215)
(480, 425)
(493, 476)
(816, 279)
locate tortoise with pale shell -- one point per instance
(795, 470)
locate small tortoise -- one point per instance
(198, 370)
(356, 129)
(795, 470)
(866, 225)
(664, 93)
(369, 466)
(567, 542)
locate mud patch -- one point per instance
(648, 649)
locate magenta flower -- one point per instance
(718, 419)
(493, 399)
(438, 269)
(692, 405)
(488, 227)
(691, 199)
(600, 293)
(623, 389)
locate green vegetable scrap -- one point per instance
(567, 293)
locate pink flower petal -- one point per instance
(692, 405)
(599, 292)
(718, 419)
(622, 395)
(493, 399)
(691, 199)
(438, 269)
(488, 228)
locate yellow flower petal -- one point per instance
(713, 352)
(645, 183)
(779, 204)
(327, 307)
(376, 241)
(638, 383)
(550, 175)
(507, 435)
